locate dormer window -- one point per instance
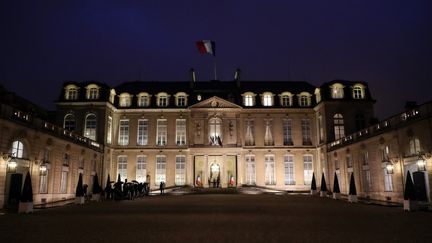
(92, 92)
(304, 99)
(267, 99)
(248, 99)
(286, 99)
(71, 92)
(162, 99)
(181, 99)
(143, 99)
(112, 96)
(125, 100)
(358, 91)
(337, 91)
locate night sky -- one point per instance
(387, 43)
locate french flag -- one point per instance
(206, 46)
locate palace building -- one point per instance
(271, 134)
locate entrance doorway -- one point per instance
(214, 178)
(420, 180)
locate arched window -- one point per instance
(125, 100)
(162, 99)
(90, 126)
(248, 99)
(69, 122)
(286, 99)
(339, 129)
(143, 99)
(250, 169)
(304, 99)
(71, 92)
(267, 99)
(358, 91)
(181, 99)
(92, 92)
(337, 91)
(17, 149)
(215, 131)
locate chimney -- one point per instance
(237, 77)
(192, 78)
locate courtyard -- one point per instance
(219, 218)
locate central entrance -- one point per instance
(215, 170)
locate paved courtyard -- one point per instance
(219, 218)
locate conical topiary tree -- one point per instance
(313, 185)
(97, 189)
(352, 197)
(79, 193)
(323, 191)
(26, 198)
(336, 190)
(108, 189)
(410, 203)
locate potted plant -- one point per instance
(323, 192)
(79, 194)
(352, 196)
(26, 199)
(410, 202)
(96, 190)
(336, 190)
(313, 185)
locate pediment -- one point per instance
(215, 102)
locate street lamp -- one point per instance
(421, 162)
(43, 168)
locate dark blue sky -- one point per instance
(387, 43)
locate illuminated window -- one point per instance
(181, 99)
(289, 170)
(337, 91)
(388, 181)
(268, 137)
(267, 99)
(141, 171)
(69, 122)
(215, 129)
(308, 169)
(63, 181)
(349, 161)
(414, 146)
(385, 153)
(71, 92)
(248, 99)
(181, 132)
(180, 171)
(125, 100)
(286, 99)
(123, 138)
(122, 167)
(304, 99)
(270, 170)
(162, 99)
(161, 132)
(142, 138)
(250, 169)
(367, 181)
(249, 137)
(92, 92)
(143, 100)
(365, 158)
(339, 128)
(90, 126)
(320, 128)
(43, 181)
(17, 149)
(358, 91)
(306, 132)
(109, 130)
(160, 169)
(287, 132)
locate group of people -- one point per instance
(126, 190)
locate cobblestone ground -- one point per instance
(219, 218)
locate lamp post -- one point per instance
(421, 161)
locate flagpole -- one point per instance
(214, 63)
